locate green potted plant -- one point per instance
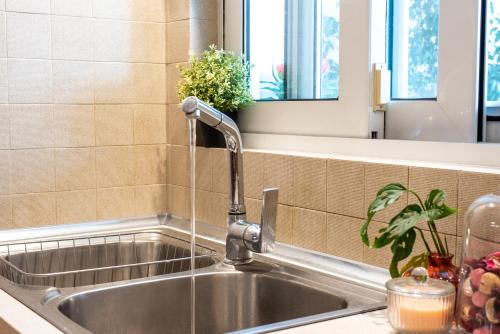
(220, 78)
(402, 232)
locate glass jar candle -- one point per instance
(419, 304)
(478, 307)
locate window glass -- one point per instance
(293, 46)
(493, 50)
(415, 29)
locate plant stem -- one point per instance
(443, 251)
(434, 239)
(446, 244)
(418, 198)
(423, 239)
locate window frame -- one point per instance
(345, 116)
(452, 116)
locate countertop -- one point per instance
(17, 318)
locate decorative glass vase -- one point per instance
(478, 309)
(442, 267)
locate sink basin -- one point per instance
(225, 301)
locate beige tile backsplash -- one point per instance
(83, 110)
(90, 128)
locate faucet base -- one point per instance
(237, 262)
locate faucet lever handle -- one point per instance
(268, 219)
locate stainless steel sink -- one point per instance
(287, 288)
(226, 301)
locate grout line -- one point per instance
(94, 61)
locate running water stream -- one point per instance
(192, 159)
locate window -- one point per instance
(414, 41)
(294, 47)
(314, 64)
(493, 51)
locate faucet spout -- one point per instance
(243, 237)
(195, 108)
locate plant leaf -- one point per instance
(435, 207)
(399, 226)
(440, 212)
(436, 198)
(401, 249)
(385, 197)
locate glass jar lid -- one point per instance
(420, 285)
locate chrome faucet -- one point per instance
(243, 237)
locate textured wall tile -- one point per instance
(309, 229)
(211, 208)
(72, 82)
(172, 78)
(150, 164)
(28, 36)
(3, 34)
(76, 206)
(115, 166)
(150, 124)
(310, 183)
(74, 125)
(254, 210)
(345, 188)
(178, 201)
(5, 212)
(379, 175)
(4, 172)
(75, 168)
(220, 205)
(30, 81)
(278, 173)
(129, 41)
(129, 83)
(4, 82)
(284, 224)
(138, 10)
(115, 203)
(178, 35)
(472, 186)
(253, 173)
(32, 171)
(179, 166)
(178, 10)
(28, 6)
(114, 124)
(343, 237)
(32, 126)
(72, 7)
(4, 127)
(423, 180)
(150, 199)
(204, 206)
(34, 210)
(71, 37)
(177, 126)
(203, 168)
(220, 173)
